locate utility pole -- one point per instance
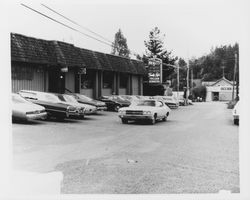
(187, 82)
(237, 78)
(223, 68)
(234, 75)
(192, 78)
(178, 79)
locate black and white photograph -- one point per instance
(127, 98)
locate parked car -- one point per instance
(181, 101)
(236, 114)
(130, 98)
(53, 105)
(83, 99)
(70, 100)
(151, 110)
(170, 101)
(25, 110)
(114, 102)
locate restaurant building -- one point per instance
(55, 66)
(220, 90)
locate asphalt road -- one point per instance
(195, 151)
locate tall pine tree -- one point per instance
(120, 46)
(155, 47)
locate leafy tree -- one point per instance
(120, 46)
(210, 67)
(182, 63)
(155, 48)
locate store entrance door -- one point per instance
(56, 81)
(215, 96)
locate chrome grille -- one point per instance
(134, 112)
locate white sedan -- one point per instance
(151, 110)
(25, 110)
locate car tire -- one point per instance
(124, 121)
(164, 118)
(236, 121)
(153, 121)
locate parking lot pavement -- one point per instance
(195, 151)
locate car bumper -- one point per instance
(136, 117)
(172, 105)
(36, 116)
(101, 108)
(72, 114)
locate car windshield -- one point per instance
(146, 103)
(18, 99)
(70, 98)
(85, 98)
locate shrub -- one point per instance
(231, 104)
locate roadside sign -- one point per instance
(64, 69)
(155, 70)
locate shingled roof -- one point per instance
(33, 50)
(27, 49)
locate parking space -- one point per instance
(195, 151)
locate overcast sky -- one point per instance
(192, 27)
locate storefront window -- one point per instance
(87, 80)
(108, 78)
(123, 80)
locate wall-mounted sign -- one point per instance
(82, 70)
(64, 69)
(155, 70)
(226, 88)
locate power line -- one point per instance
(76, 23)
(66, 25)
(74, 29)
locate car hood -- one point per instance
(98, 103)
(92, 102)
(26, 107)
(170, 101)
(87, 106)
(143, 108)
